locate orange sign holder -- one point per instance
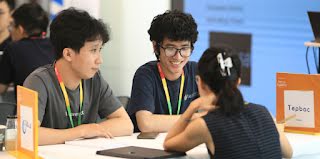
(298, 82)
(27, 99)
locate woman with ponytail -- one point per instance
(228, 126)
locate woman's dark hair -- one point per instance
(223, 84)
(32, 18)
(71, 28)
(174, 25)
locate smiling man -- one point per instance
(163, 89)
(72, 92)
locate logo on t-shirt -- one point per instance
(190, 96)
(75, 114)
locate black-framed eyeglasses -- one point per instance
(171, 51)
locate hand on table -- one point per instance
(94, 130)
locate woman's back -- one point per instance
(251, 134)
(231, 129)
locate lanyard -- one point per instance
(165, 87)
(40, 36)
(66, 98)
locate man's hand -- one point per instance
(205, 103)
(94, 130)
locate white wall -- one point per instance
(92, 6)
(129, 46)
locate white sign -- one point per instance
(26, 128)
(300, 103)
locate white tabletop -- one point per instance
(304, 147)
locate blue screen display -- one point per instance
(278, 30)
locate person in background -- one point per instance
(231, 129)
(6, 8)
(72, 92)
(29, 49)
(163, 89)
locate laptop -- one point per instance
(314, 18)
(139, 153)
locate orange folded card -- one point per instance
(298, 102)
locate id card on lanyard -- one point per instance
(66, 98)
(166, 91)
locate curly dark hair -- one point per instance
(225, 87)
(32, 18)
(72, 28)
(174, 25)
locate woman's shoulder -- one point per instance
(253, 108)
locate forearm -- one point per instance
(182, 122)
(157, 122)
(118, 126)
(286, 148)
(48, 136)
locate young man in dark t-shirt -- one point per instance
(163, 89)
(30, 48)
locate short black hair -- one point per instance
(32, 18)
(224, 86)
(174, 25)
(72, 27)
(11, 4)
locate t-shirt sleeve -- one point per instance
(142, 93)
(35, 83)
(6, 68)
(108, 102)
(266, 112)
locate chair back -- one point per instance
(124, 101)
(5, 110)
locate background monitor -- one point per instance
(268, 35)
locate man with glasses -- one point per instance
(163, 89)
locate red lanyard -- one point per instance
(165, 87)
(43, 35)
(66, 98)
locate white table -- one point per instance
(304, 147)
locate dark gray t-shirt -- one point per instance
(99, 100)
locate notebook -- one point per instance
(314, 18)
(139, 153)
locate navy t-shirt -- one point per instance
(148, 93)
(3, 45)
(24, 56)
